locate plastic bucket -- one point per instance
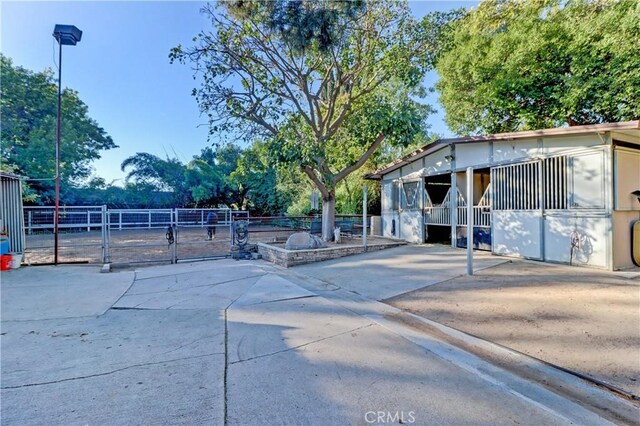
(4, 245)
(17, 260)
(5, 262)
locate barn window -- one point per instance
(555, 182)
(410, 195)
(518, 186)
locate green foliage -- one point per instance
(325, 82)
(28, 105)
(261, 183)
(226, 176)
(301, 24)
(516, 65)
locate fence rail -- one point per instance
(41, 218)
(95, 234)
(441, 215)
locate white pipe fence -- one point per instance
(87, 218)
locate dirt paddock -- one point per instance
(139, 245)
(577, 318)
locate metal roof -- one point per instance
(511, 136)
(8, 175)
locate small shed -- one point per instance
(11, 216)
(560, 195)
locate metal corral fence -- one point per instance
(94, 234)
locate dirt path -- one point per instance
(585, 320)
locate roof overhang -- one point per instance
(626, 127)
(9, 175)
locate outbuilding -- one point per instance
(11, 218)
(562, 195)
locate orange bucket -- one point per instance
(5, 262)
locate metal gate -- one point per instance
(81, 236)
(204, 233)
(95, 234)
(138, 236)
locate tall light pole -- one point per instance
(68, 35)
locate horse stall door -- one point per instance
(516, 215)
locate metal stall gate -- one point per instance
(517, 209)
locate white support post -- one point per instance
(103, 231)
(29, 222)
(469, 220)
(364, 216)
(107, 234)
(88, 221)
(120, 220)
(453, 203)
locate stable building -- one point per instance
(566, 195)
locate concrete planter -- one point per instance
(276, 253)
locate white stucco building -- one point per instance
(558, 195)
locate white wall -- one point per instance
(411, 226)
(504, 151)
(517, 233)
(435, 163)
(587, 187)
(472, 154)
(414, 168)
(387, 224)
(551, 145)
(386, 187)
(591, 231)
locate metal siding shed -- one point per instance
(11, 217)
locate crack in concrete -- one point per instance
(173, 290)
(178, 273)
(302, 345)
(191, 343)
(283, 300)
(226, 356)
(106, 373)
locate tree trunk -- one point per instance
(328, 216)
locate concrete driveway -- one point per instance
(228, 342)
(387, 273)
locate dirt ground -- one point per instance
(577, 318)
(146, 245)
(136, 245)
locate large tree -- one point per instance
(516, 65)
(327, 82)
(28, 105)
(146, 170)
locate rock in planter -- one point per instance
(304, 241)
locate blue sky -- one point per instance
(122, 72)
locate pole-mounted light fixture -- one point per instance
(68, 35)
